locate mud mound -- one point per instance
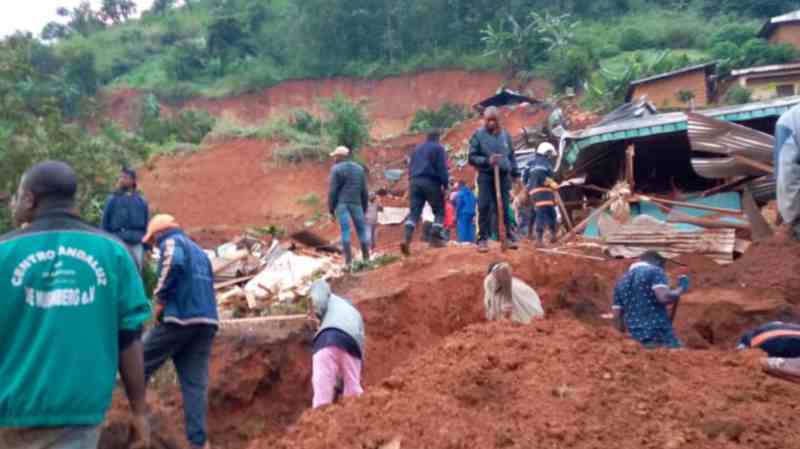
(770, 270)
(392, 101)
(234, 185)
(562, 384)
(438, 378)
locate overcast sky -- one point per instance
(32, 15)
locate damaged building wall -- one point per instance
(664, 92)
(662, 164)
(787, 33)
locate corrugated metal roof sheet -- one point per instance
(773, 23)
(693, 68)
(722, 168)
(668, 123)
(717, 136)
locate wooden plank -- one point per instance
(232, 282)
(582, 225)
(728, 186)
(630, 176)
(719, 210)
(761, 230)
(706, 222)
(243, 254)
(754, 164)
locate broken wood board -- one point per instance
(761, 230)
(271, 327)
(232, 282)
(313, 240)
(630, 241)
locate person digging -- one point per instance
(491, 150)
(640, 303)
(338, 346)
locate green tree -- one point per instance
(117, 11)
(33, 129)
(162, 7)
(82, 19)
(346, 122)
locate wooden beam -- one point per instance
(761, 230)
(565, 253)
(582, 225)
(630, 175)
(243, 254)
(221, 285)
(730, 185)
(707, 222)
(754, 164)
(719, 210)
(563, 208)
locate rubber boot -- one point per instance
(405, 247)
(437, 238)
(348, 256)
(365, 252)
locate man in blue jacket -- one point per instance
(126, 214)
(348, 199)
(428, 182)
(489, 147)
(186, 312)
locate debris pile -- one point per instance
(253, 276)
(678, 183)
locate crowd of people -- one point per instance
(455, 205)
(76, 303)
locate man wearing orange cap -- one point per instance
(186, 312)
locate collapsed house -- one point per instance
(674, 182)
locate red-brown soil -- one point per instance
(437, 376)
(391, 101)
(559, 384)
(770, 269)
(232, 186)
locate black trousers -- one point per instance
(487, 198)
(423, 191)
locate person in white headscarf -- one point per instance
(509, 298)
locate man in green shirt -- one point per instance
(71, 316)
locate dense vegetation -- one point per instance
(223, 47)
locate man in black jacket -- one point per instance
(491, 146)
(428, 181)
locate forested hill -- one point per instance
(218, 48)
(223, 47)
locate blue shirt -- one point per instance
(645, 317)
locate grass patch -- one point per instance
(361, 266)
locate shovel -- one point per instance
(501, 224)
